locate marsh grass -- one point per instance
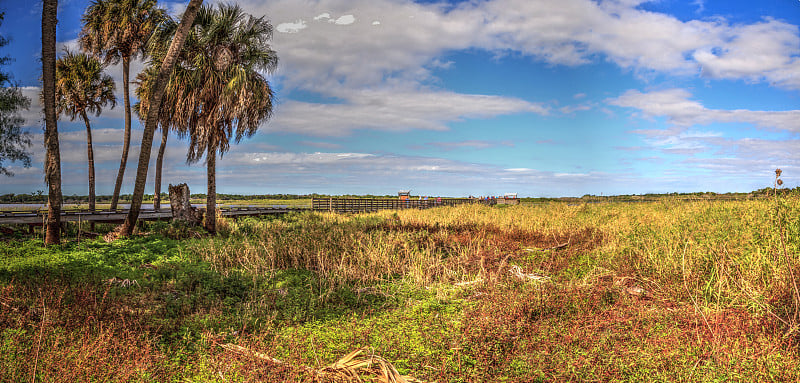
(660, 291)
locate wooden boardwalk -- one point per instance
(118, 216)
(362, 205)
(338, 205)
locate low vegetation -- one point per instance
(657, 291)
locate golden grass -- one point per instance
(663, 291)
(720, 253)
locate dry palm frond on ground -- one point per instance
(350, 368)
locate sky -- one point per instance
(542, 98)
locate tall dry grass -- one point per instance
(359, 250)
(712, 253)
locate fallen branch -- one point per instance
(557, 247)
(244, 351)
(517, 272)
(123, 282)
(346, 369)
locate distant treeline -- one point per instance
(760, 193)
(40, 197)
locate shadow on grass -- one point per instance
(173, 287)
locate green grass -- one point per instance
(662, 291)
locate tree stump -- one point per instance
(181, 207)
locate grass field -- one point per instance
(661, 291)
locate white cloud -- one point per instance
(34, 115)
(292, 158)
(326, 55)
(101, 136)
(392, 111)
(319, 144)
(763, 51)
(470, 144)
(743, 159)
(685, 137)
(571, 109)
(107, 151)
(677, 107)
(569, 32)
(345, 20)
(107, 146)
(294, 27)
(341, 172)
(175, 9)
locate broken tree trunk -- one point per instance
(182, 208)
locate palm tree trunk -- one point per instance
(90, 155)
(53, 155)
(126, 141)
(152, 114)
(211, 196)
(159, 163)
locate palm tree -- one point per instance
(145, 82)
(81, 87)
(117, 30)
(53, 158)
(228, 95)
(164, 71)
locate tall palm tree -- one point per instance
(117, 30)
(53, 157)
(146, 81)
(81, 88)
(164, 71)
(229, 97)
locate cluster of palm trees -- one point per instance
(204, 81)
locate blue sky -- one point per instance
(537, 97)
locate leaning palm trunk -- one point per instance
(53, 156)
(126, 140)
(159, 163)
(211, 197)
(152, 114)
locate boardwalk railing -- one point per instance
(361, 205)
(118, 216)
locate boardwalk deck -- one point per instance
(110, 216)
(339, 205)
